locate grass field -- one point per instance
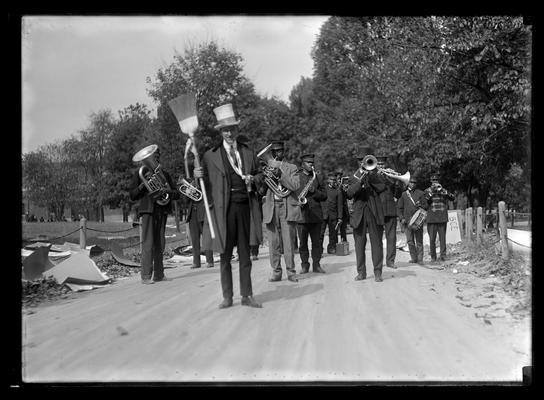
(98, 233)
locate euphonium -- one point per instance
(151, 174)
(270, 178)
(302, 195)
(189, 190)
(369, 163)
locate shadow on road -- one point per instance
(288, 291)
(388, 273)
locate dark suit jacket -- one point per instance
(311, 212)
(366, 197)
(147, 205)
(405, 207)
(389, 197)
(334, 205)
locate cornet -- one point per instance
(189, 190)
(369, 163)
(151, 174)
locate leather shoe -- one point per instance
(254, 258)
(304, 271)
(226, 303)
(147, 281)
(319, 270)
(378, 278)
(210, 265)
(292, 278)
(195, 266)
(274, 278)
(360, 277)
(412, 261)
(250, 301)
(393, 266)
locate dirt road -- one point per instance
(418, 324)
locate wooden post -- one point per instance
(502, 229)
(461, 223)
(512, 216)
(83, 233)
(141, 234)
(468, 222)
(479, 225)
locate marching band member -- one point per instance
(332, 211)
(364, 188)
(409, 202)
(310, 217)
(437, 216)
(281, 213)
(231, 170)
(154, 217)
(389, 198)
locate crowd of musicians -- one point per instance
(244, 190)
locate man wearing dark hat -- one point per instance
(280, 213)
(364, 188)
(345, 207)
(437, 216)
(311, 216)
(232, 176)
(154, 217)
(410, 200)
(389, 197)
(332, 213)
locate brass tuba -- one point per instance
(151, 174)
(270, 178)
(302, 195)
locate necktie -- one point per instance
(233, 156)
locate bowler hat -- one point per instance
(225, 116)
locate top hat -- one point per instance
(225, 116)
(308, 157)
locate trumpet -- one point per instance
(369, 163)
(302, 200)
(189, 190)
(270, 178)
(395, 175)
(151, 174)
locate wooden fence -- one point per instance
(477, 223)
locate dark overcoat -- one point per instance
(366, 197)
(218, 191)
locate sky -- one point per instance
(73, 66)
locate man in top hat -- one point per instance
(311, 216)
(280, 214)
(389, 196)
(154, 217)
(437, 216)
(231, 173)
(345, 207)
(332, 212)
(410, 200)
(364, 188)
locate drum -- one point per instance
(417, 220)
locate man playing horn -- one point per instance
(154, 215)
(280, 215)
(311, 216)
